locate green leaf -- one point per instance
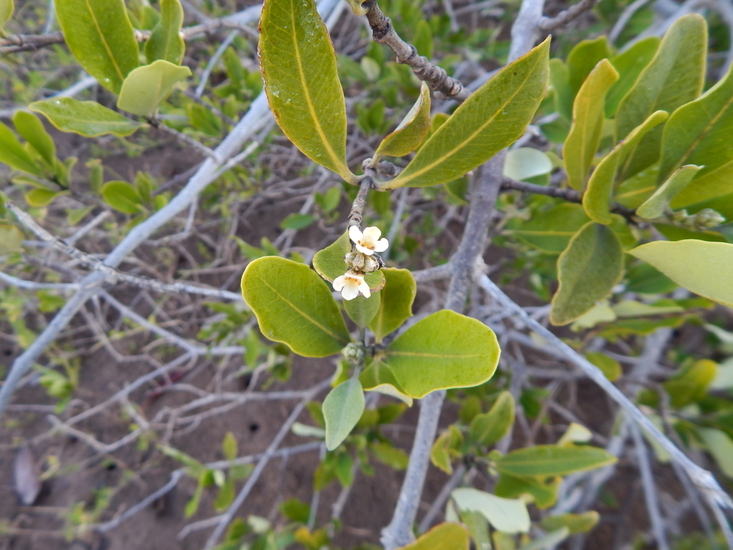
(674, 77)
(295, 510)
(488, 428)
(550, 231)
(564, 95)
(342, 409)
(543, 492)
(548, 541)
(597, 197)
(495, 116)
(297, 221)
(585, 133)
(610, 367)
(87, 118)
(11, 238)
(395, 306)
(526, 162)
(479, 528)
(122, 196)
(362, 310)
(705, 268)
(504, 514)
(356, 7)
(147, 86)
(378, 377)
(444, 350)
(553, 460)
(629, 65)
(411, 131)
(293, 305)
(6, 12)
(443, 448)
(692, 383)
(709, 184)
(658, 203)
(393, 457)
(165, 41)
(583, 58)
(588, 270)
(40, 197)
(32, 130)
(14, 154)
(298, 66)
(720, 446)
(424, 39)
(576, 523)
(229, 446)
(329, 263)
(446, 536)
(99, 34)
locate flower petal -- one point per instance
(350, 292)
(372, 234)
(355, 234)
(364, 289)
(339, 283)
(364, 250)
(381, 245)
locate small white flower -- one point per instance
(368, 242)
(350, 285)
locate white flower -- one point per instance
(368, 242)
(350, 285)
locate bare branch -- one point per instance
(566, 16)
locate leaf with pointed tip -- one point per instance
(411, 131)
(99, 34)
(629, 65)
(147, 86)
(490, 427)
(495, 116)
(298, 65)
(658, 203)
(293, 305)
(14, 154)
(165, 41)
(674, 77)
(588, 270)
(87, 118)
(395, 308)
(444, 350)
(708, 185)
(705, 268)
(446, 536)
(597, 197)
(342, 409)
(329, 263)
(40, 197)
(585, 133)
(553, 460)
(32, 130)
(583, 58)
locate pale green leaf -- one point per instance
(99, 34)
(610, 368)
(444, 350)
(588, 270)
(478, 526)
(658, 203)
(11, 238)
(674, 77)
(709, 184)
(629, 65)
(6, 12)
(504, 514)
(597, 197)
(32, 130)
(576, 523)
(378, 377)
(329, 263)
(550, 231)
(229, 446)
(720, 446)
(298, 66)
(87, 118)
(165, 41)
(548, 541)
(553, 460)
(40, 197)
(395, 306)
(585, 133)
(357, 7)
(705, 268)
(495, 116)
(488, 428)
(543, 492)
(362, 310)
(342, 409)
(293, 305)
(692, 383)
(583, 58)
(526, 162)
(564, 95)
(147, 86)
(446, 536)
(576, 433)
(122, 196)
(410, 132)
(14, 154)
(424, 39)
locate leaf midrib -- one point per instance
(104, 41)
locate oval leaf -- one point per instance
(495, 116)
(329, 263)
(585, 133)
(87, 118)
(411, 131)
(395, 306)
(576, 523)
(298, 65)
(293, 305)
(553, 460)
(658, 203)
(525, 162)
(379, 377)
(40, 197)
(342, 409)
(588, 270)
(488, 428)
(504, 514)
(446, 536)
(362, 310)
(550, 231)
(14, 154)
(32, 130)
(99, 34)
(444, 350)
(122, 196)
(165, 41)
(11, 238)
(146, 87)
(705, 268)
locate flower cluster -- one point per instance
(361, 261)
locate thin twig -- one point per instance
(547, 24)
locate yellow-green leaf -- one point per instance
(658, 203)
(87, 118)
(14, 154)
(583, 58)
(146, 87)
(674, 77)
(597, 197)
(28, 126)
(293, 305)
(40, 197)
(410, 132)
(629, 65)
(395, 307)
(446, 536)
(379, 377)
(576, 523)
(122, 196)
(99, 34)
(362, 310)
(488, 428)
(298, 65)
(342, 409)
(553, 460)
(505, 514)
(709, 184)
(588, 270)
(11, 238)
(329, 263)
(585, 133)
(165, 41)
(357, 7)
(610, 367)
(493, 117)
(551, 230)
(6, 12)
(705, 268)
